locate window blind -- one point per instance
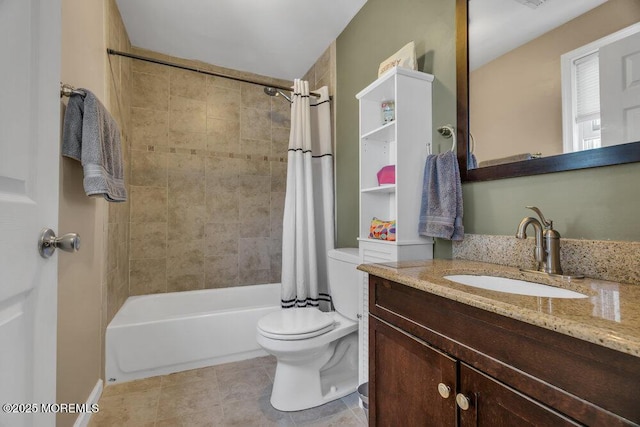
(587, 88)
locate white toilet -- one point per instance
(317, 352)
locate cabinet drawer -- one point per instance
(589, 383)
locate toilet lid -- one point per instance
(295, 324)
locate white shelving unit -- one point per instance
(402, 142)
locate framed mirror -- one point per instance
(539, 124)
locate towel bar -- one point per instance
(68, 90)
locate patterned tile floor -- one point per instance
(233, 394)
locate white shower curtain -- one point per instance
(308, 230)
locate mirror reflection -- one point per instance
(549, 77)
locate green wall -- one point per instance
(374, 34)
(600, 203)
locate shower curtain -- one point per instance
(308, 230)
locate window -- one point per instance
(581, 121)
(581, 107)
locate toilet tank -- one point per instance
(344, 280)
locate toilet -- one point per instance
(316, 352)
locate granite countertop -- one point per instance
(610, 316)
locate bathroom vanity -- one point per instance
(442, 353)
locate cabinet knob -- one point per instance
(444, 390)
(463, 401)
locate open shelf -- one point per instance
(384, 188)
(385, 133)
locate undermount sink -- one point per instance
(513, 286)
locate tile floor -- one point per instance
(233, 394)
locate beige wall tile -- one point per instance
(185, 222)
(221, 271)
(280, 141)
(188, 84)
(222, 206)
(148, 204)
(113, 235)
(148, 276)
(209, 199)
(186, 179)
(223, 103)
(189, 140)
(254, 206)
(254, 277)
(148, 240)
(254, 254)
(255, 124)
(150, 91)
(275, 254)
(280, 113)
(253, 96)
(223, 135)
(254, 167)
(150, 68)
(149, 127)
(255, 147)
(221, 238)
(148, 168)
(185, 282)
(222, 174)
(277, 213)
(278, 176)
(187, 115)
(223, 83)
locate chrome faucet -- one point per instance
(547, 250)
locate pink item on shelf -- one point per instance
(387, 175)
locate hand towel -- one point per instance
(91, 136)
(441, 208)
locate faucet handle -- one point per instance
(545, 223)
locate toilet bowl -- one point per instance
(316, 352)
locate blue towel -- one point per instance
(441, 208)
(91, 136)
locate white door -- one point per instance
(29, 155)
(620, 91)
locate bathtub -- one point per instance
(164, 333)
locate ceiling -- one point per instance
(498, 26)
(275, 38)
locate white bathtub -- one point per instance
(164, 333)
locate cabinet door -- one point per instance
(493, 404)
(404, 375)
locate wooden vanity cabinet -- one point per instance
(508, 372)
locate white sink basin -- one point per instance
(513, 286)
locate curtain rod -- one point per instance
(197, 70)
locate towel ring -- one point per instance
(449, 132)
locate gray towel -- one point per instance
(441, 208)
(91, 136)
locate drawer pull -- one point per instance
(444, 390)
(463, 401)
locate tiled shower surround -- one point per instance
(208, 174)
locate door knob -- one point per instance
(444, 390)
(463, 401)
(48, 242)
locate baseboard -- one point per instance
(83, 419)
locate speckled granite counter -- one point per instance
(610, 316)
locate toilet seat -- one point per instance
(295, 324)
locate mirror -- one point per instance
(510, 98)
